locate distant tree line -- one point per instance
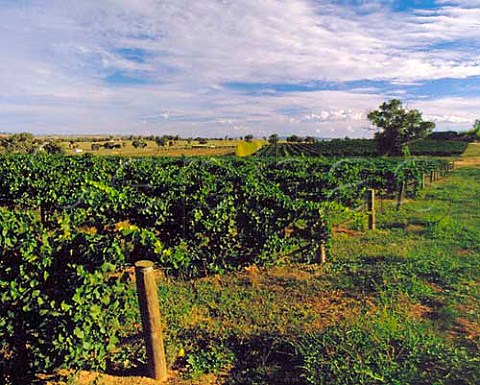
(398, 127)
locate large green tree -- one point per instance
(398, 127)
(475, 131)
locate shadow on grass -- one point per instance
(259, 359)
(265, 359)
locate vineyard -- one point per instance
(359, 147)
(71, 228)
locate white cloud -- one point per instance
(58, 55)
(455, 113)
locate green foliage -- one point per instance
(438, 147)
(208, 216)
(62, 303)
(399, 126)
(195, 216)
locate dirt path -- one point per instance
(85, 377)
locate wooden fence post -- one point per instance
(423, 181)
(371, 209)
(401, 193)
(431, 177)
(322, 252)
(152, 327)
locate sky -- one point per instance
(235, 67)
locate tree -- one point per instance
(310, 139)
(273, 139)
(139, 144)
(53, 148)
(294, 139)
(399, 127)
(161, 141)
(248, 138)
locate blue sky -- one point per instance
(235, 67)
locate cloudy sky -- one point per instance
(234, 67)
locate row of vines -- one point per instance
(71, 226)
(360, 147)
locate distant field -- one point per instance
(249, 148)
(179, 148)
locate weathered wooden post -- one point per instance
(401, 193)
(322, 252)
(152, 327)
(423, 181)
(371, 209)
(431, 177)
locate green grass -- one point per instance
(398, 305)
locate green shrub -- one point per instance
(62, 303)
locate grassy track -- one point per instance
(397, 305)
(471, 156)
